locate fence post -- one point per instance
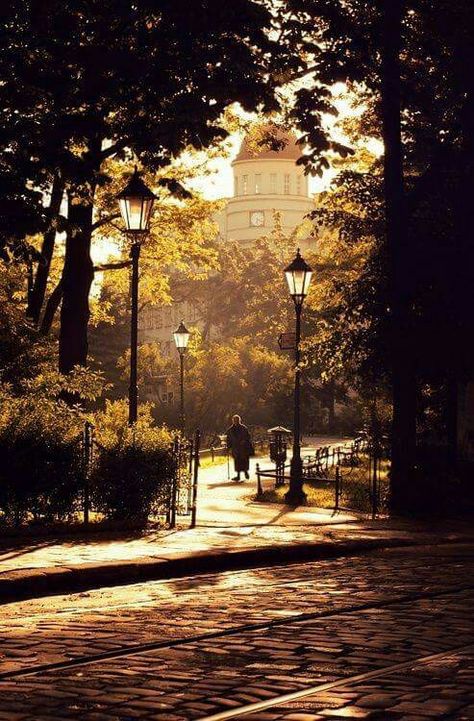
(197, 442)
(374, 487)
(190, 471)
(174, 485)
(87, 459)
(259, 482)
(337, 488)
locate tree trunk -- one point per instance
(452, 412)
(462, 372)
(37, 295)
(52, 306)
(401, 352)
(77, 277)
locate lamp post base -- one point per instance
(295, 496)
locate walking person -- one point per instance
(240, 445)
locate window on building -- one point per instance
(273, 183)
(298, 185)
(258, 183)
(286, 184)
(245, 184)
(236, 185)
(167, 398)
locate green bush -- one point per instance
(42, 471)
(39, 479)
(134, 468)
(40, 474)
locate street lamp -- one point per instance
(136, 204)
(181, 339)
(298, 276)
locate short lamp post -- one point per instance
(298, 275)
(181, 339)
(136, 204)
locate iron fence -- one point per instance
(334, 467)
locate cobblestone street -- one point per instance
(357, 637)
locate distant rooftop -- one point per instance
(253, 148)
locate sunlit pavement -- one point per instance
(229, 521)
(387, 635)
(227, 517)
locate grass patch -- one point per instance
(320, 497)
(221, 458)
(207, 462)
(355, 489)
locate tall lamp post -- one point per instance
(298, 275)
(136, 203)
(181, 339)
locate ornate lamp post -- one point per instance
(136, 203)
(181, 339)
(298, 275)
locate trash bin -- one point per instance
(278, 451)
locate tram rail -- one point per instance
(141, 648)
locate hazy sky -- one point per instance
(219, 183)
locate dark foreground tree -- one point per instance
(400, 294)
(410, 58)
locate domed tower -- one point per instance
(266, 181)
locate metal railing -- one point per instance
(331, 467)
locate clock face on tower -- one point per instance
(257, 218)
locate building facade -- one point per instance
(265, 182)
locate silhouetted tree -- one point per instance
(411, 59)
(122, 77)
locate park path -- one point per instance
(223, 502)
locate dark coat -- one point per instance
(240, 445)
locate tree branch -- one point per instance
(112, 266)
(144, 305)
(104, 221)
(303, 73)
(112, 149)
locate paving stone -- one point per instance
(378, 700)
(302, 717)
(347, 712)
